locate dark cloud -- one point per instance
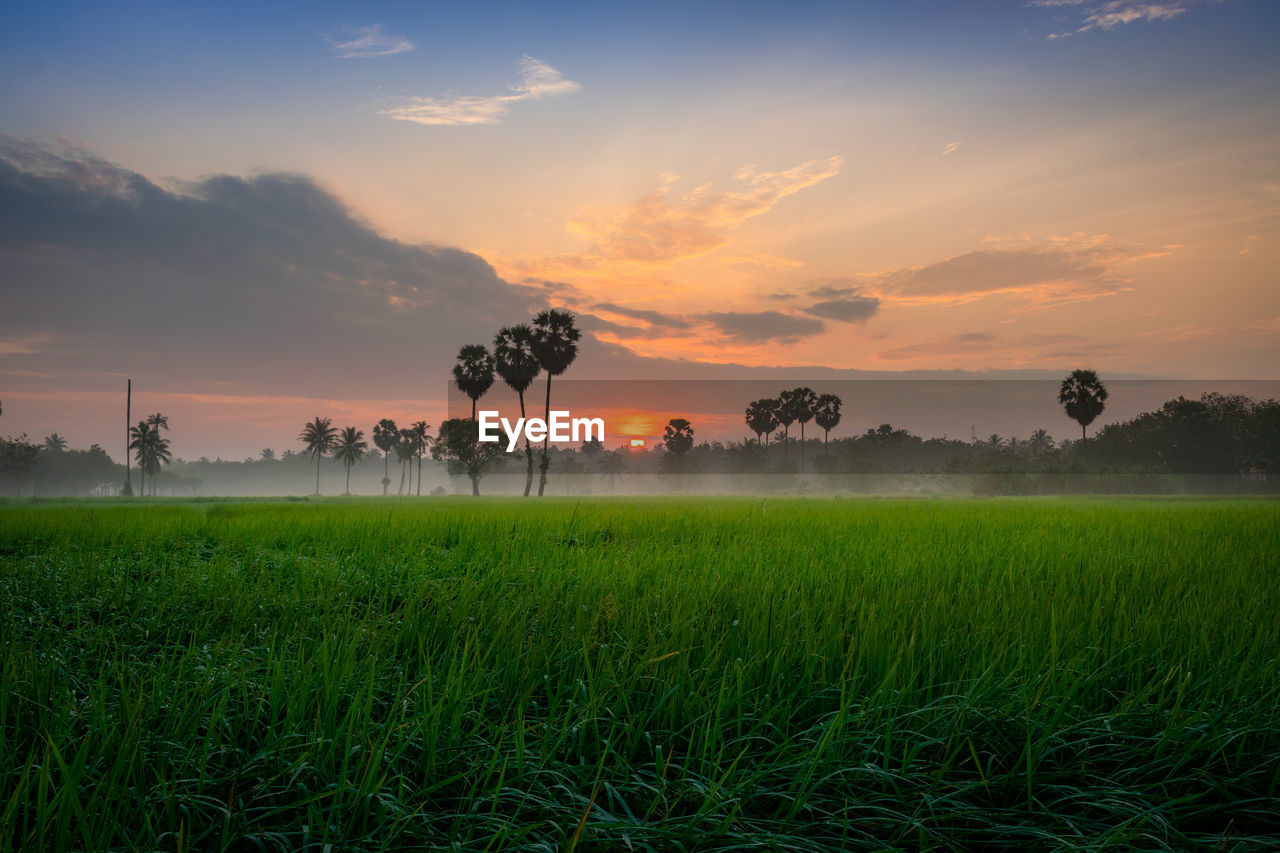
(758, 326)
(1056, 272)
(855, 309)
(266, 282)
(653, 318)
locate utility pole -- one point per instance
(128, 419)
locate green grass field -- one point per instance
(640, 674)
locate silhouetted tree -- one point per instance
(517, 364)
(55, 443)
(18, 459)
(1040, 442)
(678, 436)
(420, 438)
(458, 443)
(268, 454)
(386, 436)
(473, 374)
(1083, 396)
(786, 416)
(612, 464)
(404, 455)
(319, 437)
(827, 415)
(150, 449)
(555, 343)
(350, 450)
(762, 417)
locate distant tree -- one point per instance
(458, 443)
(762, 417)
(319, 437)
(678, 436)
(351, 449)
(473, 374)
(151, 450)
(805, 404)
(591, 448)
(268, 454)
(1083, 396)
(1040, 442)
(612, 464)
(555, 343)
(517, 363)
(386, 436)
(994, 442)
(55, 443)
(420, 437)
(404, 455)
(18, 459)
(827, 415)
(786, 417)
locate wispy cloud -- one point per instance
(948, 149)
(367, 42)
(537, 80)
(659, 229)
(1115, 13)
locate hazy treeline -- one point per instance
(1217, 443)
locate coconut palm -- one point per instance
(613, 465)
(994, 442)
(473, 374)
(351, 449)
(55, 443)
(786, 417)
(555, 344)
(419, 437)
(150, 449)
(805, 404)
(516, 363)
(386, 436)
(1040, 442)
(1083, 396)
(405, 455)
(762, 417)
(827, 415)
(319, 437)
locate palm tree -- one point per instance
(1040, 442)
(158, 420)
(473, 374)
(404, 455)
(555, 343)
(351, 449)
(786, 417)
(1083, 396)
(806, 405)
(386, 436)
(55, 443)
(151, 451)
(612, 465)
(762, 417)
(994, 442)
(320, 437)
(420, 438)
(518, 366)
(678, 436)
(827, 415)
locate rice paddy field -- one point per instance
(640, 674)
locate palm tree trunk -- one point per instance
(802, 447)
(386, 471)
(419, 474)
(546, 443)
(317, 473)
(528, 453)
(1083, 433)
(348, 479)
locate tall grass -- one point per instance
(641, 674)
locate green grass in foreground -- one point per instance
(647, 674)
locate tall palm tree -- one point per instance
(555, 343)
(55, 443)
(827, 415)
(320, 438)
(473, 374)
(404, 455)
(612, 465)
(762, 417)
(420, 438)
(805, 404)
(1083, 396)
(786, 417)
(678, 436)
(150, 449)
(386, 436)
(518, 366)
(351, 449)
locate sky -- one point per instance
(260, 215)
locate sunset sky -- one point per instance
(261, 216)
